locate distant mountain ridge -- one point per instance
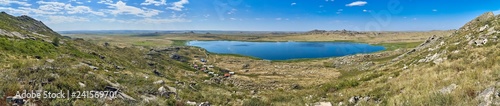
(24, 27)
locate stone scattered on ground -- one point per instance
(159, 82)
(191, 103)
(322, 104)
(448, 89)
(81, 84)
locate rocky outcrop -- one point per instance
(426, 44)
(13, 34)
(472, 24)
(24, 27)
(486, 96)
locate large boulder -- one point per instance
(486, 96)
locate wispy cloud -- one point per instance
(147, 20)
(434, 10)
(154, 2)
(104, 1)
(293, 4)
(66, 19)
(81, 9)
(122, 8)
(179, 5)
(357, 3)
(8, 2)
(232, 11)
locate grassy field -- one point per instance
(394, 46)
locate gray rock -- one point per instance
(486, 96)
(125, 96)
(354, 99)
(322, 104)
(340, 104)
(49, 60)
(148, 98)
(162, 89)
(172, 89)
(483, 28)
(81, 84)
(438, 61)
(448, 89)
(481, 41)
(191, 103)
(159, 82)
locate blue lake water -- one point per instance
(286, 50)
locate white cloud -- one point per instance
(357, 3)
(365, 10)
(61, 8)
(434, 10)
(81, 9)
(65, 19)
(76, 1)
(104, 1)
(162, 21)
(339, 11)
(38, 11)
(16, 11)
(279, 19)
(122, 8)
(232, 11)
(177, 6)
(147, 21)
(50, 6)
(293, 4)
(154, 2)
(8, 2)
(113, 20)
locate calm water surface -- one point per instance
(286, 50)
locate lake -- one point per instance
(286, 50)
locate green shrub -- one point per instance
(55, 41)
(255, 102)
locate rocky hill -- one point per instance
(35, 58)
(24, 27)
(460, 69)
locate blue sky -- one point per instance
(252, 15)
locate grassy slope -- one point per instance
(473, 69)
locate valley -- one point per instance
(455, 67)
